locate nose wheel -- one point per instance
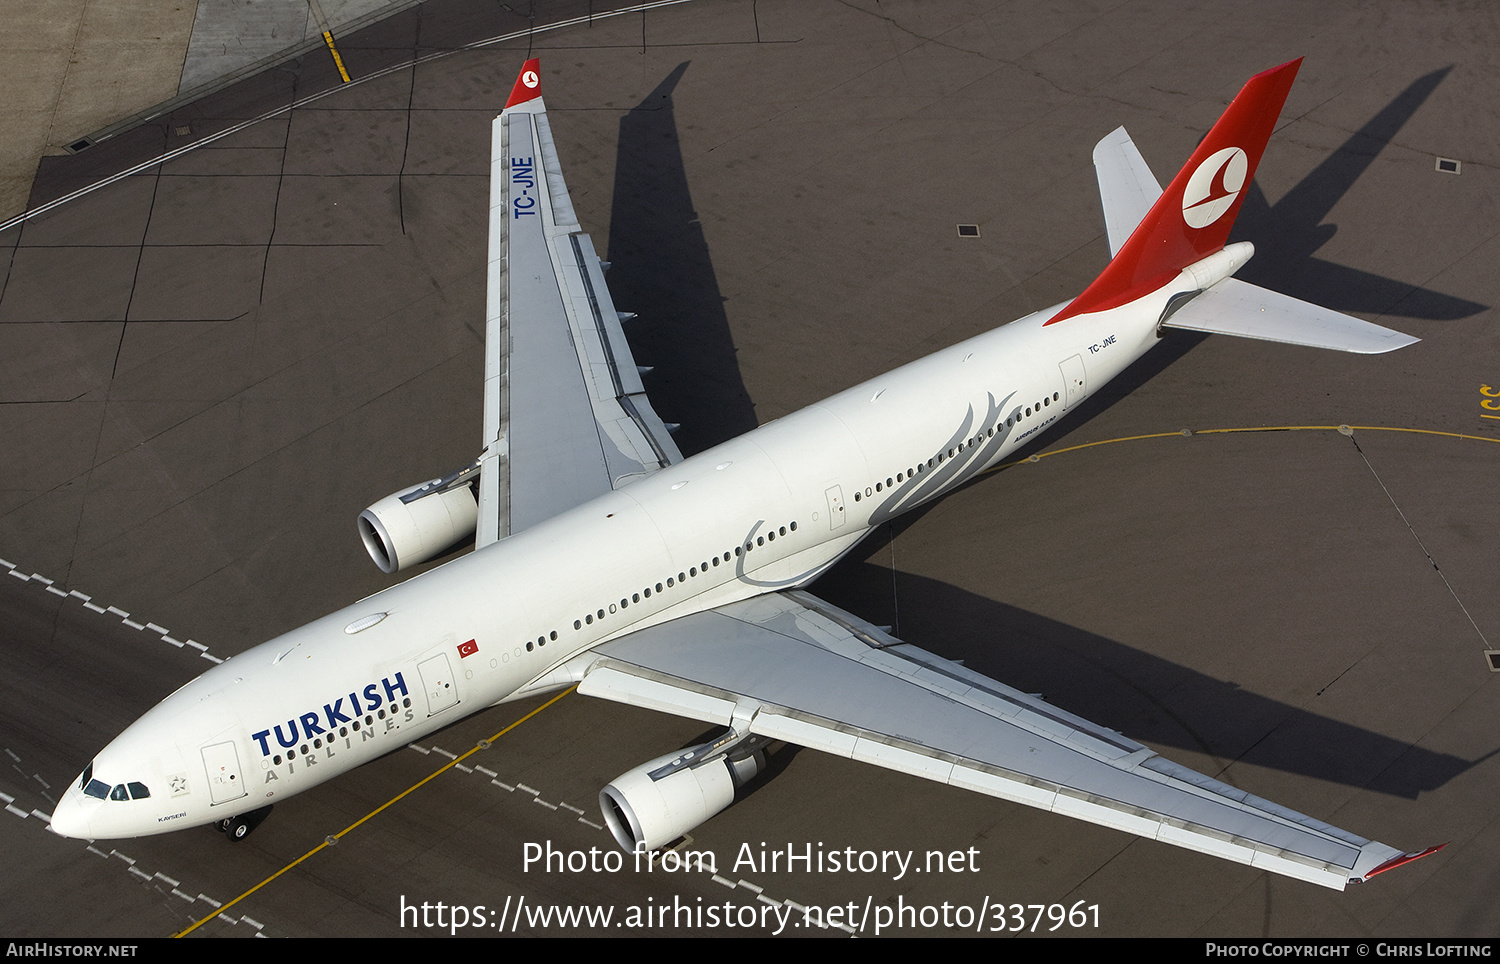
(238, 827)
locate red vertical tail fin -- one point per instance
(1192, 218)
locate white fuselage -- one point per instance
(769, 510)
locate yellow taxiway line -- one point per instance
(483, 744)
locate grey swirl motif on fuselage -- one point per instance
(924, 484)
(945, 472)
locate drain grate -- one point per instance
(1448, 165)
(968, 230)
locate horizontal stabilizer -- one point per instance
(1234, 307)
(1127, 188)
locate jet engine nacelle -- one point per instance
(406, 528)
(645, 814)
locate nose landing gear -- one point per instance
(238, 827)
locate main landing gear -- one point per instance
(238, 827)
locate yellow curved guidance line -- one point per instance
(1185, 433)
(329, 841)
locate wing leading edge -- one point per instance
(566, 417)
(791, 667)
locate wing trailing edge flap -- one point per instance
(566, 415)
(810, 674)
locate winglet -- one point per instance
(1400, 859)
(528, 83)
(1192, 218)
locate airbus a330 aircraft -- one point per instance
(605, 559)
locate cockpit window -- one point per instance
(102, 791)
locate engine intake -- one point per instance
(645, 813)
(411, 526)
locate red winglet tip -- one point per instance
(528, 83)
(1395, 862)
(1292, 65)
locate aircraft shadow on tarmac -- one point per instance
(660, 268)
(1288, 233)
(1146, 697)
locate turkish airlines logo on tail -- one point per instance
(530, 79)
(1214, 186)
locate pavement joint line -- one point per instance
(1345, 430)
(1420, 544)
(311, 98)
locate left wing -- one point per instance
(565, 414)
(788, 666)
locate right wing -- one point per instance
(566, 417)
(788, 666)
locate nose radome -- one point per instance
(68, 819)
